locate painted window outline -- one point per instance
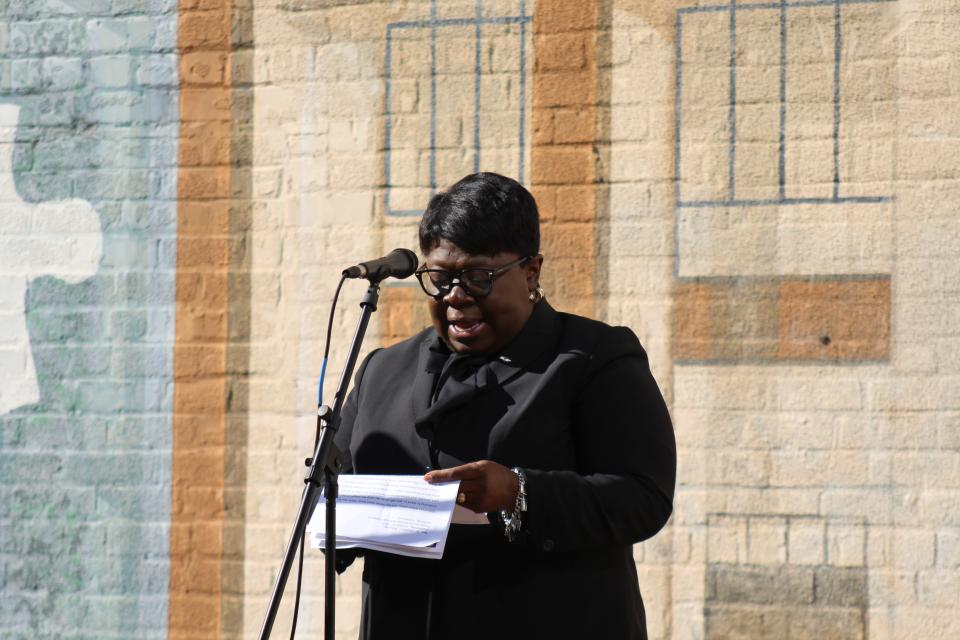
(434, 23)
(732, 201)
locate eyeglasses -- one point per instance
(475, 282)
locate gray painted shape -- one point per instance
(85, 472)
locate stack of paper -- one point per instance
(397, 514)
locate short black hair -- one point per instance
(483, 214)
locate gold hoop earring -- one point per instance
(537, 295)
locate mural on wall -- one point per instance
(783, 235)
(455, 102)
(783, 219)
(88, 162)
(736, 180)
(61, 239)
(455, 99)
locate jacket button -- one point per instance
(548, 545)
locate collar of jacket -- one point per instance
(538, 334)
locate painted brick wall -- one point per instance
(765, 192)
(88, 99)
(764, 282)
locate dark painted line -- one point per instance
(804, 277)
(433, 97)
(708, 204)
(782, 167)
(719, 8)
(732, 109)
(435, 23)
(523, 90)
(837, 49)
(785, 361)
(476, 89)
(459, 22)
(677, 116)
(388, 125)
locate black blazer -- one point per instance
(573, 403)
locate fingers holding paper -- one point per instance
(485, 485)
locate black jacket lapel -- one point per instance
(539, 334)
(432, 356)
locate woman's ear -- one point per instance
(533, 271)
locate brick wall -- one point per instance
(764, 192)
(88, 93)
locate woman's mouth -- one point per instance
(464, 329)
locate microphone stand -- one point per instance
(323, 471)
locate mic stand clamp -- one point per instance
(331, 471)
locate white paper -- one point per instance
(398, 514)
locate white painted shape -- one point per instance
(62, 239)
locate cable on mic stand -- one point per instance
(324, 466)
(316, 439)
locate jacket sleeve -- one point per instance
(622, 490)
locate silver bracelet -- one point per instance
(512, 521)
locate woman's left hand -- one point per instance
(484, 485)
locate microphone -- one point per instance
(399, 263)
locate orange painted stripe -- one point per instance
(404, 312)
(564, 155)
(202, 312)
(757, 319)
(843, 319)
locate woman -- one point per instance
(551, 422)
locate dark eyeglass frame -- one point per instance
(456, 278)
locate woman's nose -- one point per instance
(457, 294)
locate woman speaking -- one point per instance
(551, 422)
